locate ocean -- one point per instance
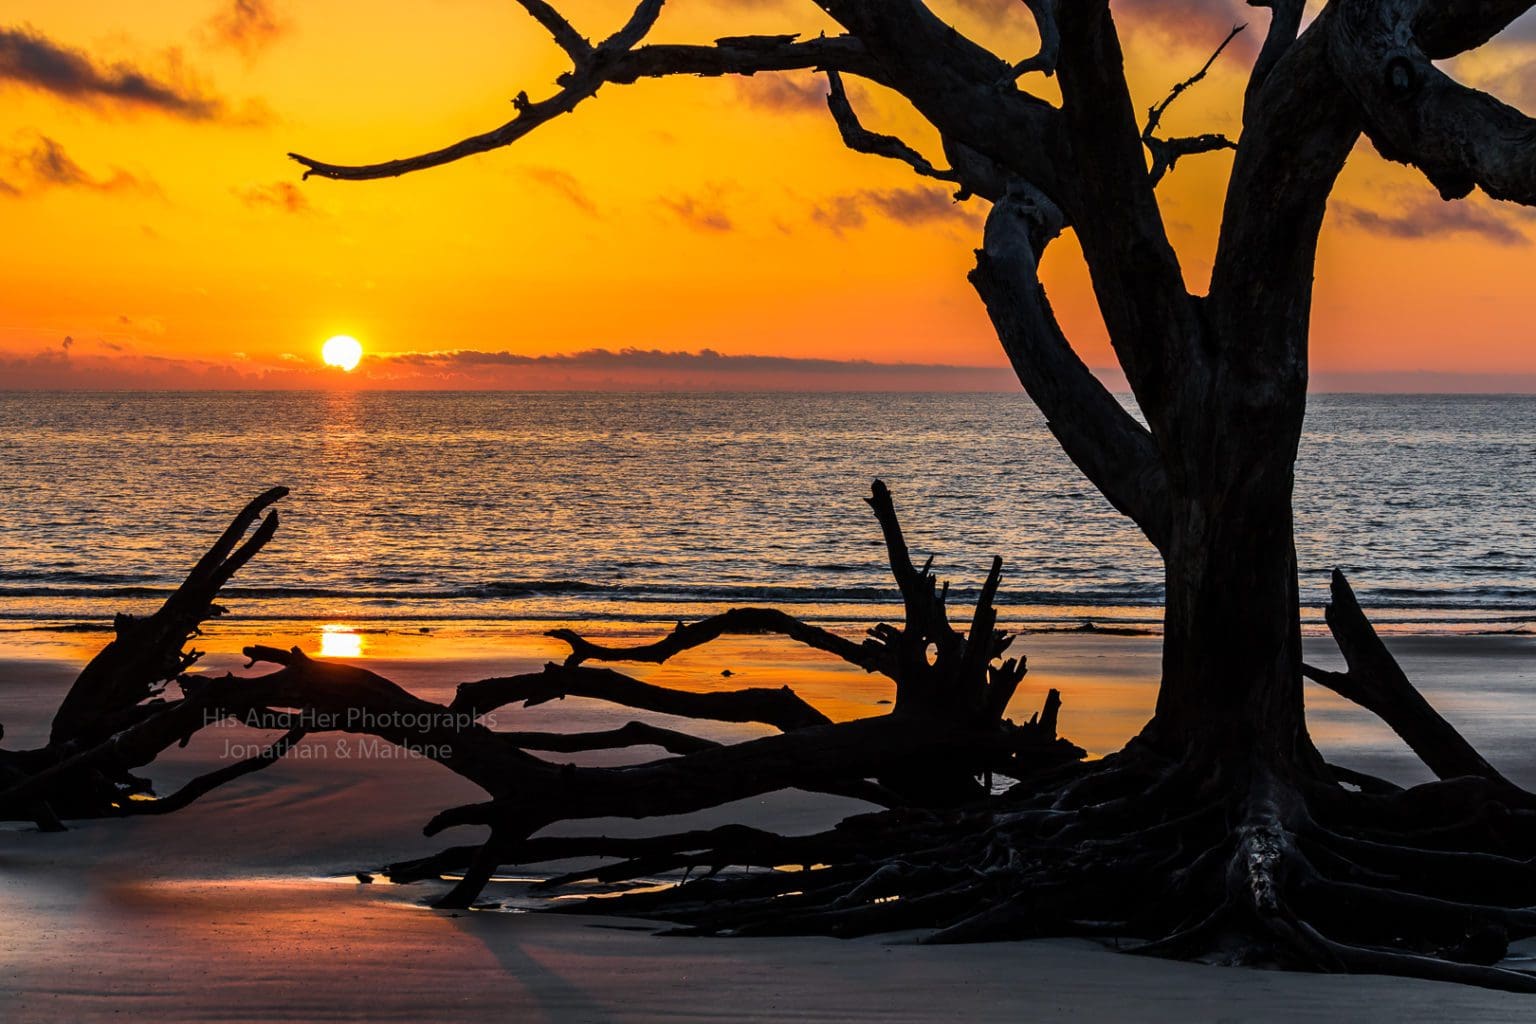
(518, 507)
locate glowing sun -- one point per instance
(343, 351)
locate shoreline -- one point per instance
(630, 620)
(258, 873)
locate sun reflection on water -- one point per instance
(337, 641)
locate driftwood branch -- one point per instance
(735, 622)
(148, 652)
(207, 783)
(631, 734)
(781, 708)
(1376, 682)
(112, 719)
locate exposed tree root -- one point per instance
(1253, 880)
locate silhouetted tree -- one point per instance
(1219, 831)
(1221, 378)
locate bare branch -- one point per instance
(571, 41)
(1298, 131)
(1045, 59)
(635, 28)
(861, 140)
(578, 85)
(617, 61)
(1445, 28)
(1416, 114)
(921, 598)
(1284, 23)
(1166, 152)
(745, 55)
(1154, 324)
(1155, 114)
(1114, 451)
(954, 82)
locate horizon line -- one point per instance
(1504, 392)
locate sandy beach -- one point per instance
(243, 907)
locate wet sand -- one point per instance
(242, 907)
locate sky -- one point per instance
(676, 234)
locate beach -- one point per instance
(245, 906)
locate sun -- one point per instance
(343, 351)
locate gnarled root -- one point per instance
(1208, 856)
(1192, 873)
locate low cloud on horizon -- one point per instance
(98, 364)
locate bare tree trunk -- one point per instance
(1232, 636)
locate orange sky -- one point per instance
(154, 221)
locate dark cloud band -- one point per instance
(29, 59)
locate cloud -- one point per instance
(248, 27)
(45, 165)
(784, 92)
(283, 196)
(1427, 217)
(705, 368)
(592, 369)
(1198, 25)
(993, 11)
(910, 206)
(749, 5)
(1512, 80)
(1167, 12)
(702, 214)
(31, 60)
(564, 184)
(1522, 28)
(65, 368)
